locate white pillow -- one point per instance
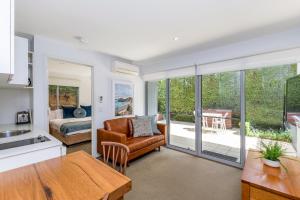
(52, 114)
(59, 114)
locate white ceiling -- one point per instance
(63, 69)
(143, 29)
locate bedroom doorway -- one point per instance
(70, 104)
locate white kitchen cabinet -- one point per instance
(7, 33)
(28, 158)
(20, 75)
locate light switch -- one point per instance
(100, 99)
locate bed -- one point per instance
(71, 130)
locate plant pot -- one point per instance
(271, 163)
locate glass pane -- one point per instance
(68, 96)
(157, 100)
(266, 119)
(221, 116)
(182, 112)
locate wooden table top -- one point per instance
(74, 176)
(276, 180)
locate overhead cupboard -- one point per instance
(13, 50)
(7, 37)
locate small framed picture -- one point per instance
(23, 117)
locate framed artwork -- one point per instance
(63, 96)
(123, 94)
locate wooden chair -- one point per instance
(105, 196)
(118, 153)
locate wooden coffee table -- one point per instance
(260, 182)
(74, 176)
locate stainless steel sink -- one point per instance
(10, 133)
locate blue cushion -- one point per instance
(88, 110)
(68, 111)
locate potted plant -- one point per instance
(271, 154)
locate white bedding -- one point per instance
(57, 123)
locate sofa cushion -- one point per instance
(119, 125)
(155, 130)
(138, 143)
(142, 127)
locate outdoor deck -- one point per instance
(225, 142)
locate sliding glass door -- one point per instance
(182, 112)
(204, 114)
(219, 116)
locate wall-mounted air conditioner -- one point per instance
(125, 68)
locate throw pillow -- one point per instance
(68, 111)
(52, 114)
(155, 130)
(88, 110)
(59, 114)
(142, 127)
(79, 113)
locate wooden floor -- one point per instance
(85, 146)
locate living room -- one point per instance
(187, 99)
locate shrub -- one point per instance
(278, 135)
(183, 117)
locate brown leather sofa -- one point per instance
(121, 130)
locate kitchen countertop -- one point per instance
(35, 132)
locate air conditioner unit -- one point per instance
(125, 68)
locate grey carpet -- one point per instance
(85, 146)
(172, 175)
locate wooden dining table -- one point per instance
(74, 176)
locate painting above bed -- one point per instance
(123, 98)
(63, 96)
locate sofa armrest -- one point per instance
(104, 135)
(162, 128)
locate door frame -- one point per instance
(198, 122)
(198, 116)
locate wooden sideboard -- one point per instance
(260, 182)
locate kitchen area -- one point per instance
(21, 143)
(33, 163)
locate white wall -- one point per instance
(268, 43)
(102, 81)
(84, 84)
(85, 91)
(13, 100)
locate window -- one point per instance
(156, 98)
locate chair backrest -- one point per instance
(225, 115)
(117, 153)
(105, 196)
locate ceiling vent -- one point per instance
(125, 68)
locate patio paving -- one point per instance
(225, 142)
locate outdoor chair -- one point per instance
(220, 122)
